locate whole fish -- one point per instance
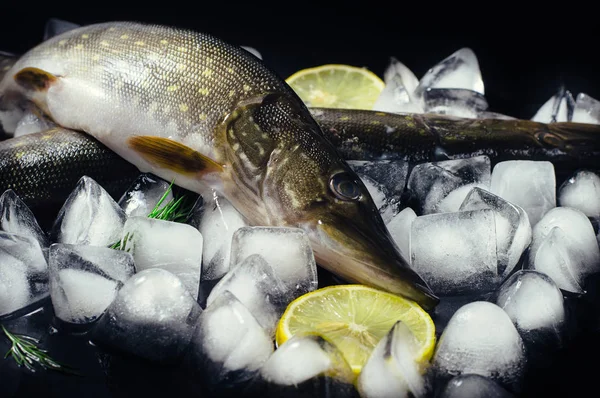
(187, 106)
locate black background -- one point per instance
(524, 53)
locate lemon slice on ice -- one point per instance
(337, 86)
(355, 318)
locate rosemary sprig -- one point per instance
(176, 210)
(26, 353)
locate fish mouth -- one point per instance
(368, 257)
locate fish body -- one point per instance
(187, 106)
(371, 135)
(43, 168)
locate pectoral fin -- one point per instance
(35, 79)
(173, 155)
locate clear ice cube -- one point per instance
(17, 218)
(400, 227)
(173, 246)
(587, 110)
(31, 123)
(554, 259)
(459, 70)
(400, 84)
(513, 229)
(455, 253)
(153, 316)
(287, 251)
(23, 272)
(572, 249)
(89, 216)
(559, 108)
(392, 369)
(526, 183)
(84, 280)
(254, 283)
(454, 102)
(252, 51)
(533, 302)
(217, 223)
(436, 187)
(474, 386)
(385, 180)
(229, 345)
(582, 192)
(481, 339)
(302, 358)
(143, 194)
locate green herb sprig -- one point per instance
(25, 352)
(176, 210)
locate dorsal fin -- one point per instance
(55, 27)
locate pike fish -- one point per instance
(187, 106)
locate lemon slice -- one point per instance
(355, 318)
(337, 86)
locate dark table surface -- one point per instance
(524, 57)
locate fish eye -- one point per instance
(344, 187)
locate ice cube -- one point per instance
(173, 246)
(152, 316)
(89, 216)
(84, 280)
(454, 102)
(431, 185)
(400, 84)
(391, 370)
(23, 272)
(587, 110)
(400, 227)
(217, 223)
(455, 253)
(228, 346)
(534, 303)
(513, 230)
(526, 183)
(574, 243)
(17, 218)
(255, 285)
(32, 122)
(286, 250)
(143, 194)
(385, 180)
(582, 192)
(474, 386)
(308, 364)
(554, 259)
(481, 339)
(459, 70)
(559, 108)
(252, 51)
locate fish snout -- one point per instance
(369, 256)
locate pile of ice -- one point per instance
(455, 87)
(136, 283)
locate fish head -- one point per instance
(307, 184)
(349, 238)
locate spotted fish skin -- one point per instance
(189, 107)
(43, 168)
